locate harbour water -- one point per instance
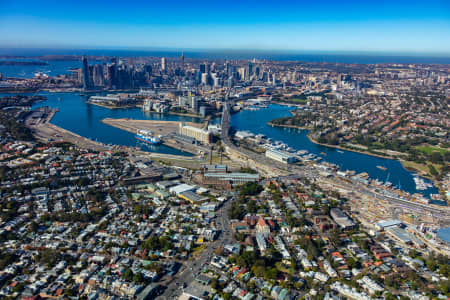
(76, 115)
(256, 122)
(82, 118)
(85, 119)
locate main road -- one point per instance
(192, 268)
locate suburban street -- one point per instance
(193, 267)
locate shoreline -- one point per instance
(327, 145)
(155, 112)
(402, 161)
(119, 124)
(287, 126)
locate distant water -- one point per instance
(52, 69)
(444, 233)
(306, 56)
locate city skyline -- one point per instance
(406, 26)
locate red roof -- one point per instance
(262, 222)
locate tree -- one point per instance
(128, 275)
(250, 188)
(436, 157)
(138, 278)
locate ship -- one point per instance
(382, 168)
(147, 137)
(339, 151)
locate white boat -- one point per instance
(147, 137)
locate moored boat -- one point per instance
(147, 137)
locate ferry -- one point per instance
(382, 168)
(339, 151)
(147, 137)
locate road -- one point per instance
(259, 158)
(193, 268)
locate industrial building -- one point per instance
(227, 180)
(341, 218)
(192, 197)
(281, 156)
(198, 134)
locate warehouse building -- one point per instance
(341, 218)
(201, 135)
(192, 197)
(280, 156)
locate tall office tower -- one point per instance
(228, 69)
(148, 70)
(163, 64)
(205, 78)
(85, 67)
(340, 77)
(97, 75)
(257, 71)
(202, 68)
(242, 73)
(250, 69)
(216, 81)
(230, 82)
(207, 68)
(194, 103)
(182, 60)
(111, 75)
(274, 79)
(265, 77)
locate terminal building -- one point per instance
(198, 134)
(281, 156)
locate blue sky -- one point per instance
(388, 26)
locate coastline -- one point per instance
(327, 145)
(155, 112)
(402, 161)
(287, 126)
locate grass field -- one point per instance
(430, 149)
(297, 100)
(420, 167)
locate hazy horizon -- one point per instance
(350, 26)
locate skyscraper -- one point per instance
(111, 74)
(97, 75)
(202, 68)
(163, 64)
(86, 79)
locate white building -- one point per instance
(280, 156)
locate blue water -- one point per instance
(444, 233)
(85, 119)
(52, 69)
(256, 122)
(305, 56)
